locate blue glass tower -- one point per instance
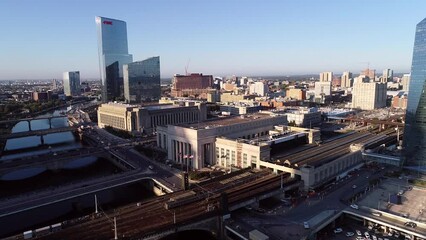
(113, 54)
(415, 123)
(142, 81)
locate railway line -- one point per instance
(141, 219)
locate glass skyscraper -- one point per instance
(72, 85)
(415, 123)
(113, 54)
(142, 81)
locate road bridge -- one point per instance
(12, 122)
(40, 132)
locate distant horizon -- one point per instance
(249, 76)
(220, 38)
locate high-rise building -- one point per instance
(326, 76)
(142, 81)
(415, 122)
(113, 54)
(259, 88)
(405, 81)
(387, 75)
(368, 95)
(72, 85)
(346, 80)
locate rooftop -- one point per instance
(160, 106)
(226, 121)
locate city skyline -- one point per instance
(218, 37)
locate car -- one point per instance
(151, 167)
(338, 230)
(354, 206)
(359, 238)
(380, 238)
(349, 234)
(370, 227)
(354, 186)
(358, 232)
(405, 215)
(367, 235)
(396, 234)
(401, 192)
(410, 224)
(374, 237)
(306, 225)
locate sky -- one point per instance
(44, 38)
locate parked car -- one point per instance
(338, 230)
(354, 206)
(358, 232)
(377, 214)
(349, 234)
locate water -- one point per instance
(27, 146)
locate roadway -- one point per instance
(161, 173)
(283, 221)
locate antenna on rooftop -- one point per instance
(187, 66)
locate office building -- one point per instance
(304, 117)
(295, 94)
(346, 80)
(368, 95)
(405, 80)
(142, 81)
(322, 90)
(192, 81)
(259, 89)
(387, 75)
(146, 119)
(371, 73)
(71, 84)
(415, 122)
(113, 54)
(326, 76)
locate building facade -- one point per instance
(415, 122)
(296, 93)
(346, 80)
(369, 95)
(146, 119)
(192, 81)
(405, 81)
(198, 140)
(322, 90)
(113, 54)
(387, 75)
(326, 76)
(142, 81)
(259, 89)
(72, 86)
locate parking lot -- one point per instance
(413, 200)
(359, 231)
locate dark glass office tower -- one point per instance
(113, 54)
(415, 125)
(142, 81)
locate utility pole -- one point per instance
(96, 204)
(115, 228)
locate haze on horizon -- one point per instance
(42, 39)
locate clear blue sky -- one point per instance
(40, 39)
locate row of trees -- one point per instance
(17, 109)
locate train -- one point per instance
(42, 231)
